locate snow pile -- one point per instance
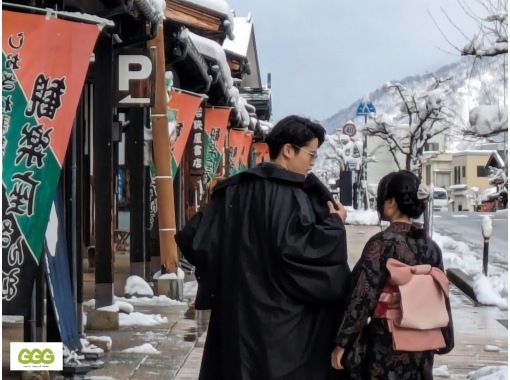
(161, 300)
(122, 303)
(105, 339)
(140, 319)
(441, 371)
(492, 290)
(169, 276)
(362, 217)
(145, 348)
(88, 348)
(486, 294)
(489, 373)
(491, 348)
(137, 286)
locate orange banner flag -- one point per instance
(184, 106)
(216, 121)
(261, 151)
(239, 152)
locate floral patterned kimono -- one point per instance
(369, 349)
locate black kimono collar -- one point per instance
(265, 170)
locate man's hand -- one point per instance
(338, 209)
(336, 357)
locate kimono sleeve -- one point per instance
(369, 277)
(200, 238)
(312, 250)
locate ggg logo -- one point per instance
(38, 355)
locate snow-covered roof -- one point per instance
(243, 27)
(498, 159)
(212, 50)
(473, 152)
(220, 7)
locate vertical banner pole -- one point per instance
(162, 160)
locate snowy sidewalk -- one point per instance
(480, 339)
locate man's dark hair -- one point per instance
(295, 130)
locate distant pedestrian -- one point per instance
(271, 264)
(364, 335)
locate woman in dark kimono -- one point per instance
(365, 339)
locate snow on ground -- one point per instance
(140, 319)
(88, 348)
(190, 289)
(122, 302)
(362, 217)
(487, 294)
(156, 300)
(169, 276)
(441, 371)
(101, 377)
(106, 339)
(489, 373)
(492, 290)
(145, 348)
(456, 254)
(491, 348)
(137, 286)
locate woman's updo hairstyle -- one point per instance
(403, 187)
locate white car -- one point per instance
(440, 202)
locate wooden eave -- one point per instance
(194, 17)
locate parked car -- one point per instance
(440, 201)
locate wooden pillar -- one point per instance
(162, 159)
(103, 168)
(134, 161)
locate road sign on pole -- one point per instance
(365, 108)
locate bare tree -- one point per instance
(492, 36)
(491, 40)
(422, 117)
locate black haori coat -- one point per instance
(271, 264)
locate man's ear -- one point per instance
(287, 150)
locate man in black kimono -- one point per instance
(271, 264)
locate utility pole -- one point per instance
(365, 108)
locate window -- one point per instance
(432, 147)
(443, 180)
(482, 171)
(463, 172)
(456, 175)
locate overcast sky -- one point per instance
(325, 54)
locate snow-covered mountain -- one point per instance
(473, 82)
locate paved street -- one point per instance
(180, 341)
(466, 226)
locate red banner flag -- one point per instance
(239, 150)
(261, 151)
(44, 63)
(216, 121)
(184, 106)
